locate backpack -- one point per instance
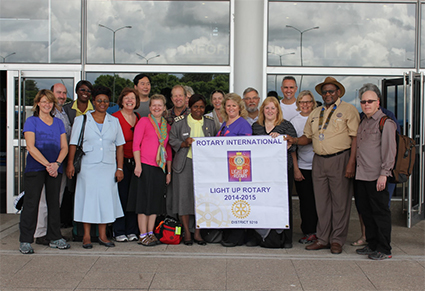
(405, 156)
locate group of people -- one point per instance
(137, 162)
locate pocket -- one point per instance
(87, 148)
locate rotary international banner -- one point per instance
(240, 182)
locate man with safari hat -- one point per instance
(332, 128)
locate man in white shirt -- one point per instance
(251, 99)
(288, 103)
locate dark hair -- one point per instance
(124, 93)
(273, 94)
(81, 83)
(289, 78)
(217, 91)
(195, 98)
(101, 90)
(140, 76)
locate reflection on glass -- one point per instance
(163, 32)
(161, 83)
(30, 34)
(352, 85)
(341, 34)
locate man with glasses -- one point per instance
(288, 103)
(251, 99)
(376, 150)
(332, 128)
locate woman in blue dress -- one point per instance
(96, 194)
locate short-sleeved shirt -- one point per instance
(143, 109)
(337, 136)
(79, 113)
(239, 127)
(47, 141)
(305, 152)
(289, 110)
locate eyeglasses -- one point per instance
(367, 101)
(84, 90)
(102, 101)
(328, 91)
(251, 99)
(305, 102)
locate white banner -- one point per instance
(240, 182)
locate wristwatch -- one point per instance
(59, 163)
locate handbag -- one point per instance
(169, 231)
(79, 153)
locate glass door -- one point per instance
(22, 86)
(405, 97)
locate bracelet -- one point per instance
(119, 169)
(296, 141)
(59, 163)
(169, 173)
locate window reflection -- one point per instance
(341, 34)
(29, 33)
(162, 32)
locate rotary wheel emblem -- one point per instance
(241, 209)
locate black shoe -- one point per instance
(252, 243)
(88, 246)
(200, 242)
(365, 251)
(108, 244)
(188, 242)
(287, 245)
(227, 244)
(42, 241)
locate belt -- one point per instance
(333, 155)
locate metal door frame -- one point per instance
(20, 142)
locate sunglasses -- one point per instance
(367, 101)
(328, 91)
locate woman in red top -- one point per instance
(125, 228)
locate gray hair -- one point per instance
(189, 90)
(370, 87)
(249, 89)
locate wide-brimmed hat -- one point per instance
(330, 80)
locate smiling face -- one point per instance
(129, 101)
(289, 88)
(84, 94)
(143, 87)
(217, 99)
(197, 110)
(370, 108)
(251, 100)
(178, 98)
(156, 108)
(45, 105)
(232, 109)
(60, 92)
(270, 112)
(306, 105)
(101, 103)
(331, 94)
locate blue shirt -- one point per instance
(47, 141)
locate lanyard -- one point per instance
(322, 113)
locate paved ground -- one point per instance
(129, 266)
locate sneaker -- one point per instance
(378, 256)
(60, 244)
(146, 241)
(154, 239)
(121, 238)
(132, 237)
(308, 238)
(365, 251)
(26, 248)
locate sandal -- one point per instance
(360, 242)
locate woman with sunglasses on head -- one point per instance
(125, 228)
(96, 194)
(82, 105)
(216, 100)
(303, 168)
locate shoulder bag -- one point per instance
(79, 153)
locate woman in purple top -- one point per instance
(47, 147)
(234, 113)
(233, 110)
